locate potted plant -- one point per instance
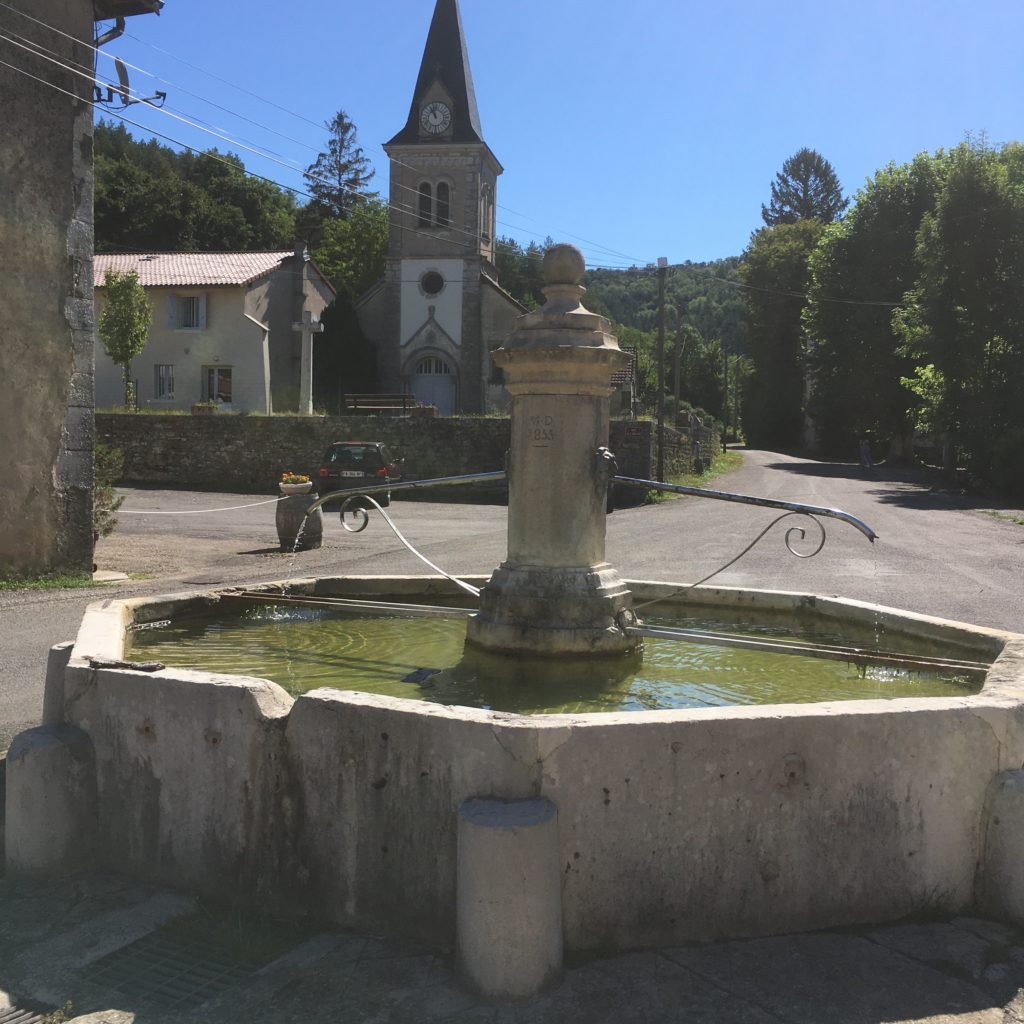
(205, 408)
(295, 483)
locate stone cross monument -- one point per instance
(555, 593)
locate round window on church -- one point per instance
(432, 283)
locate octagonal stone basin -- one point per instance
(675, 826)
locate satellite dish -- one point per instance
(123, 90)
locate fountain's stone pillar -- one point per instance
(555, 593)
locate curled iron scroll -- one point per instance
(360, 513)
(799, 532)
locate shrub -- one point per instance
(108, 464)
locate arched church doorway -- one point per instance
(434, 384)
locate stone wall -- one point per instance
(46, 246)
(249, 453)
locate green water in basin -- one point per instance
(304, 649)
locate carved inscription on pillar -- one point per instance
(541, 431)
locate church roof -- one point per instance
(446, 60)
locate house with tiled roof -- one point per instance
(227, 328)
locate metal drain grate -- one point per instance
(159, 972)
(23, 1014)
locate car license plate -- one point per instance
(351, 472)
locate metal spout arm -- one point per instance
(748, 499)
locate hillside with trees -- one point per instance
(704, 320)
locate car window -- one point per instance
(355, 456)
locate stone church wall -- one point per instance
(46, 308)
(249, 453)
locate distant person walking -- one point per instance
(866, 461)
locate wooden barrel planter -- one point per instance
(291, 515)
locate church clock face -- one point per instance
(435, 118)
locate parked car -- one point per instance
(357, 464)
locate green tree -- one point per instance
(351, 252)
(806, 187)
(859, 272)
(149, 198)
(124, 322)
(776, 277)
(340, 174)
(963, 323)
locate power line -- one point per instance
(292, 165)
(40, 51)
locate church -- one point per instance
(438, 311)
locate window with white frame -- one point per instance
(163, 381)
(217, 384)
(187, 312)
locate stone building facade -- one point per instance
(46, 304)
(438, 311)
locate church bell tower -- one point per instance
(440, 311)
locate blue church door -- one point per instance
(434, 384)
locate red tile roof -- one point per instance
(628, 372)
(189, 269)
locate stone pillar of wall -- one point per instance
(46, 304)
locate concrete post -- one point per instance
(508, 896)
(51, 802)
(53, 688)
(555, 593)
(1002, 875)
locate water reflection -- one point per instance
(428, 659)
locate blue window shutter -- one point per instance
(202, 312)
(172, 311)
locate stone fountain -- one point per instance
(508, 838)
(556, 594)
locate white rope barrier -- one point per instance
(199, 511)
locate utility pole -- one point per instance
(677, 356)
(662, 273)
(725, 397)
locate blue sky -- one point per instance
(649, 128)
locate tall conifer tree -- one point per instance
(806, 187)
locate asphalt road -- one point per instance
(938, 553)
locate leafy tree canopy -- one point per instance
(776, 275)
(859, 273)
(962, 325)
(806, 187)
(150, 198)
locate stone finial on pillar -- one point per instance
(555, 593)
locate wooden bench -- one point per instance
(399, 404)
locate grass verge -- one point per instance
(48, 581)
(1007, 517)
(724, 463)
